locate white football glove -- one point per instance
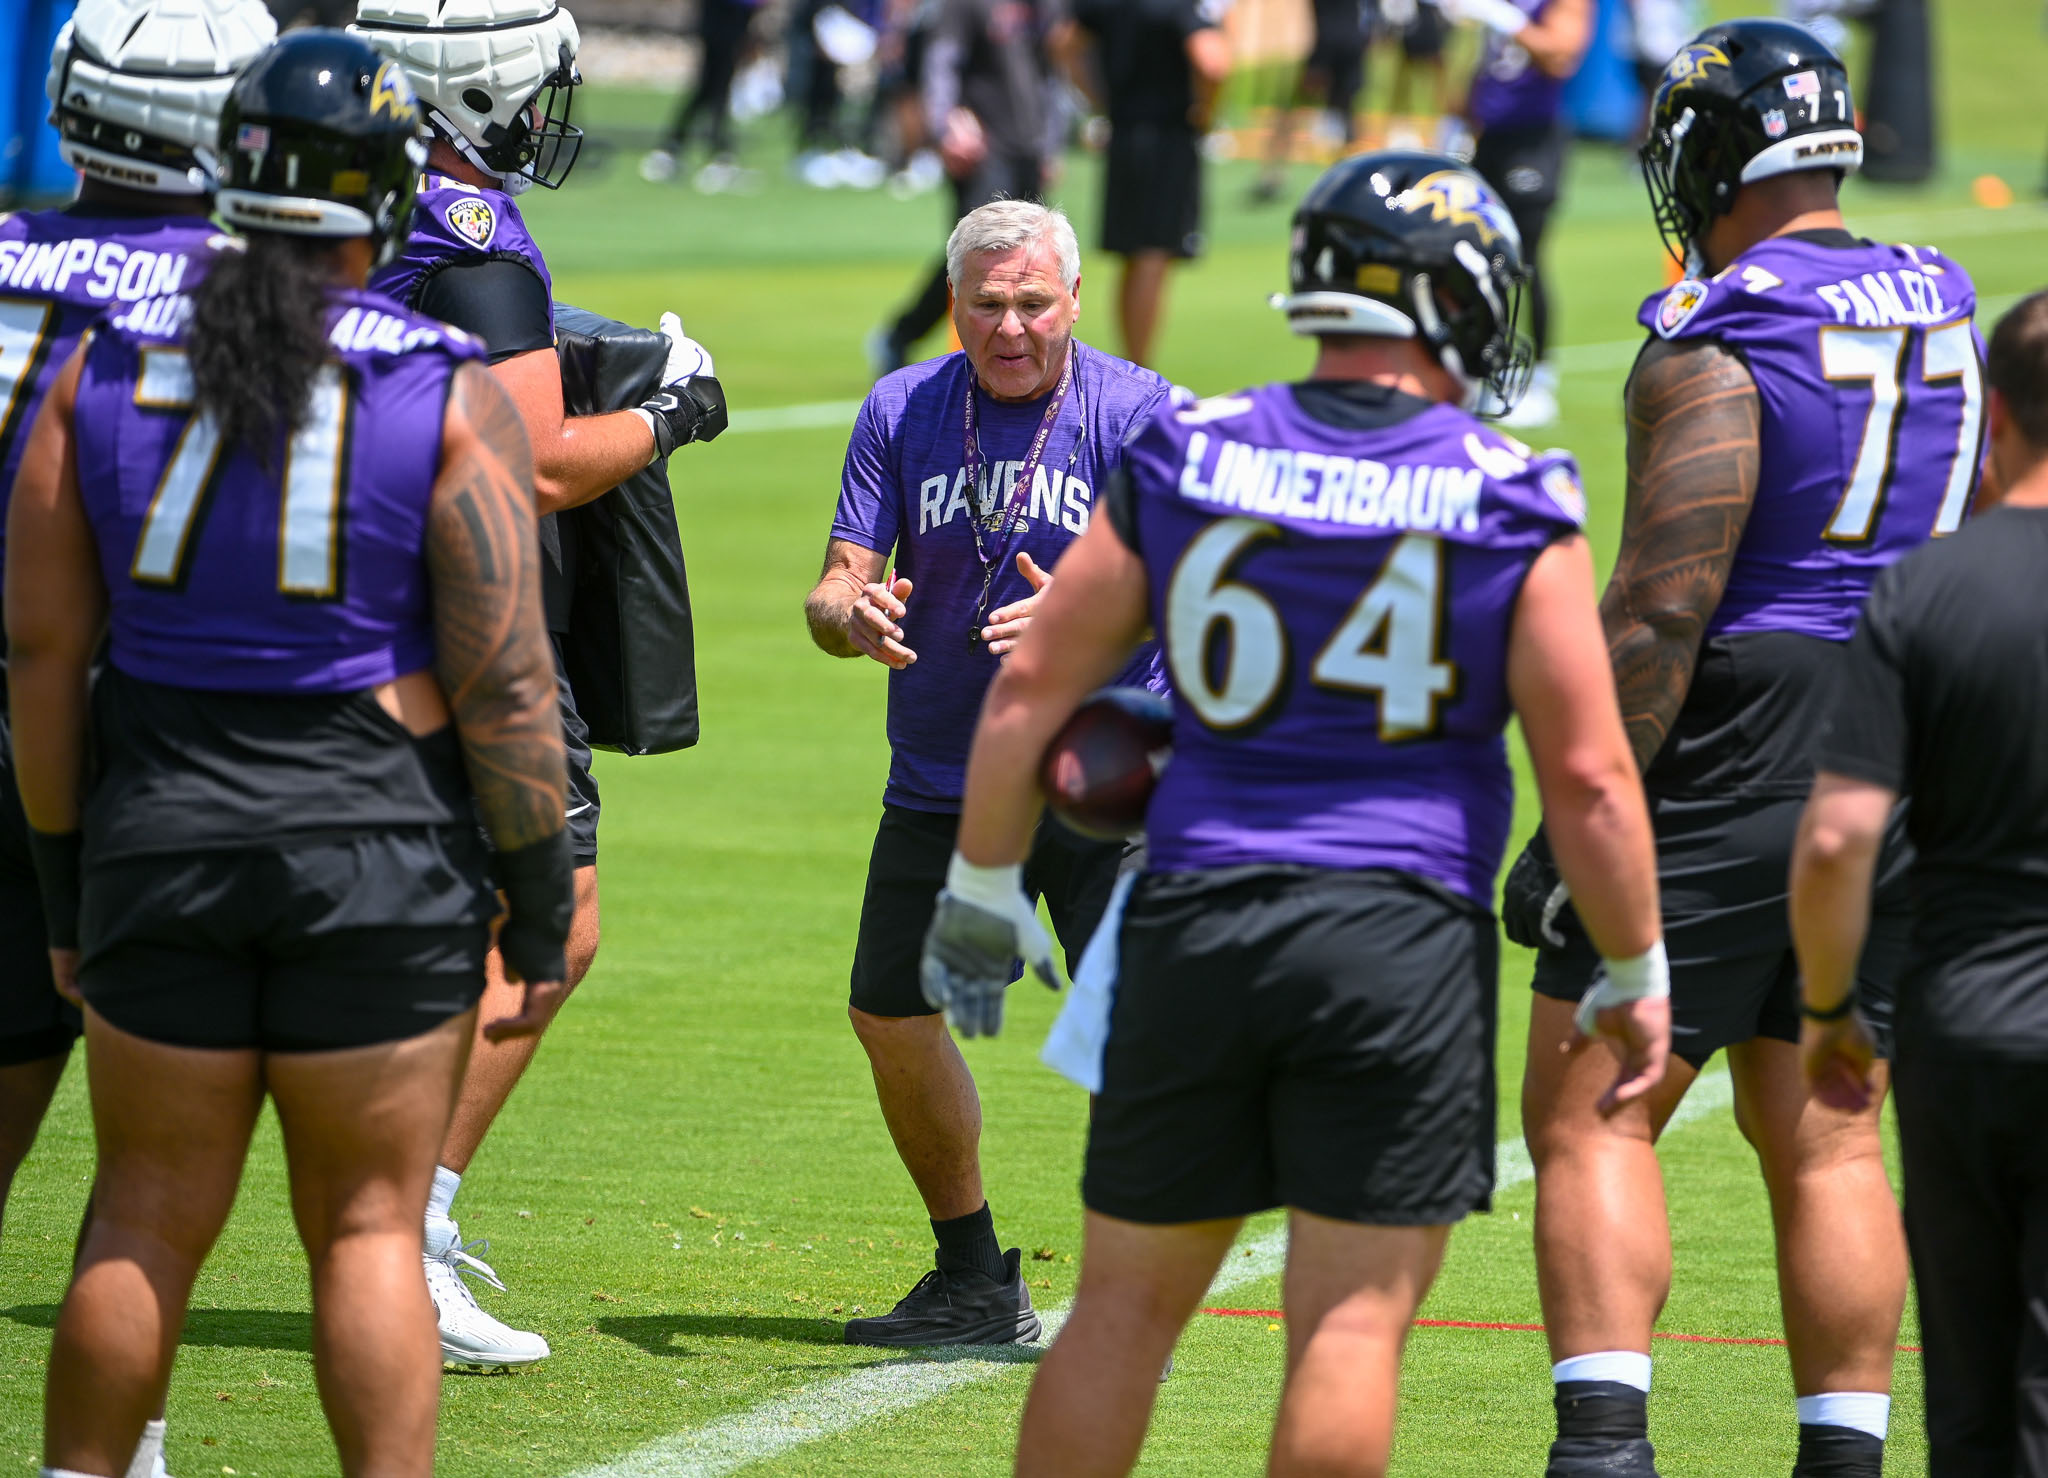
(686, 357)
(983, 923)
(690, 406)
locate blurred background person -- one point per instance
(304, 526)
(1422, 32)
(1332, 77)
(990, 108)
(723, 27)
(1516, 107)
(1154, 67)
(826, 38)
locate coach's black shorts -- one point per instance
(1152, 190)
(35, 1022)
(1075, 876)
(1299, 1037)
(1723, 869)
(292, 947)
(1526, 166)
(583, 805)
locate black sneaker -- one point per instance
(956, 1308)
(1601, 1457)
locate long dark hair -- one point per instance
(259, 336)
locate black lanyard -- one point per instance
(1015, 512)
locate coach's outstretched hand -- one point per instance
(1535, 904)
(983, 923)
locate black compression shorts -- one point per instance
(35, 1022)
(1152, 190)
(1297, 1037)
(1075, 876)
(291, 947)
(1723, 870)
(583, 806)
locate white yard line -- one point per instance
(844, 1402)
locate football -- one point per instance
(1100, 768)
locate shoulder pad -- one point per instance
(1215, 408)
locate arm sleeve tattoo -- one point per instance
(491, 643)
(1692, 473)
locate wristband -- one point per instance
(996, 889)
(1835, 1012)
(689, 410)
(539, 884)
(59, 862)
(1643, 977)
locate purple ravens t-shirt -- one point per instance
(1868, 367)
(1508, 89)
(309, 578)
(905, 488)
(1335, 606)
(453, 222)
(60, 270)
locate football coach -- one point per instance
(977, 469)
(1944, 698)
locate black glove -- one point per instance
(539, 884)
(1535, 904)
(689, 410)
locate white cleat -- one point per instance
(469, 1336)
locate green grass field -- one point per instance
(693, 1188)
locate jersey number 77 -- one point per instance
(1901, 414)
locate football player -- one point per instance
(1807, 408)
(496, 80)
(1355, 583)
(300, 521)
(135, 93)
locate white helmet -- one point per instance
(136, 87)
(496, 77)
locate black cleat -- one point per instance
(1838, 1452)
(951, 1307)
(1601, 1457)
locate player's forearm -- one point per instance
(1833, 865)
(1002, 802)
(589, 457)
(1653, 659)
(47, 695)
(1599, 830)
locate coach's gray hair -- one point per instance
(1005, 225)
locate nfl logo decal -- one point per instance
(1803, 85)
(1774, 123)
(473, 220)
(1679, 305)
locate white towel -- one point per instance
(1074, 1046)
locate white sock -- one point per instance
(147, 1450)
(441, 1199)
(1866, 1411)
(1625, 1366)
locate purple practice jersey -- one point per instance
(905, 488)
(1508, 89)
(60, 270)
(455, 223)
(1868, 367)
(1335, 604)
(307, 579)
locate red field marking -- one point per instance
(1691, 1339)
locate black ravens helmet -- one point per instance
(1739, 103)
(321, 136)
(1413, 245)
